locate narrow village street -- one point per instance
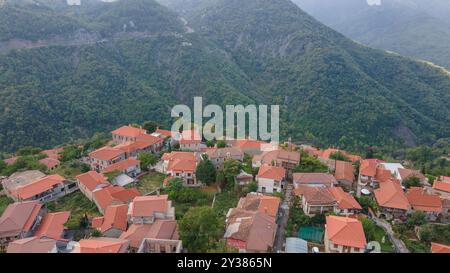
(283, 219)
(398, 244)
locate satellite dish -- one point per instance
(315, 249)
(373, 247)
(365, 191)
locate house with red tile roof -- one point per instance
(325, 154)
(127, 134)
(129, 166)
(50, 163)
(259, 202)
(90, 181)
(248, 146)
(167, 137)
(19, 221)
(344, 235)
(32, 245)
(43, 189)
(315, 200)
(114, 222)
(147, 209)
(191, 141)
(105, 156)
(346, 203)
(113, 195)
(270, 179)
(421, 200)
(52, 226)
(53, 153)
(161, 230)
(439, 248)
(279, 158)
(181, 165)
(250, 231)
(101, 245)
(392, 200)
(143, 143)
(11, 160)
(344, 172)
(218, 156)
(368, 170)
(442, 186)
(314, 180)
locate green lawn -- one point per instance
(150, 182)
(383, 239)
(4, 202)
(77, 204)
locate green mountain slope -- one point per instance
(414, 28)
(338, 91)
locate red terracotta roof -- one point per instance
(122, 165)
(190, 137)
(53, 153)
(97, 222)
(442, 186)
(129, 131)
(92, 180)
(344, 171)
(316, 195)
(147, 205)
(439, 248)
(344, 199)
(52, 226)
(113, 195)
(181, 161)
(278, 155)
(261, 203)
(37, 187)
(49, 162)
(18, 217)
(160, 229)
(246, 144)
(10, 161)
(383, 175)
(423, 201)
(314, 178)
(369, 167)
(391, 195)
(271, 172)
(345, 231)
(405, 173)
(31, 245)
(102, 245)
(115, 217)
(106, 153)
(166, 133)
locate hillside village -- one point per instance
(142, 191)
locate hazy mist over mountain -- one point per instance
(415, 28)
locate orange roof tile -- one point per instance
(314, 178)
(345, 231)
(181, 161)
(316, 195)
(37, 187)
(97, 222)
(261, 203)
(92, 180)
(18, 217)
(129, 131)
(271, 172)
(49, 162)
(383, 175)
(249, 144)
(391, 195)
(122, 165)
(344, 171)
(115, 217)
(423, 201)
(102, 245)
(31, 245)
(166, 133)
(113, 195)
(439, 248)
(147, 205)
(106, 153)
(53, 153)
(52, 226)
(160, 229)
(442, 186)
(190, 137)
(369, 167)
(344, 199)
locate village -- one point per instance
(146, 192)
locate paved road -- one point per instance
(398, 244)
(283, 219)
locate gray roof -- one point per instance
(296, 245)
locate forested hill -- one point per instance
(141, 59)
(336, 91)
(415, 28)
